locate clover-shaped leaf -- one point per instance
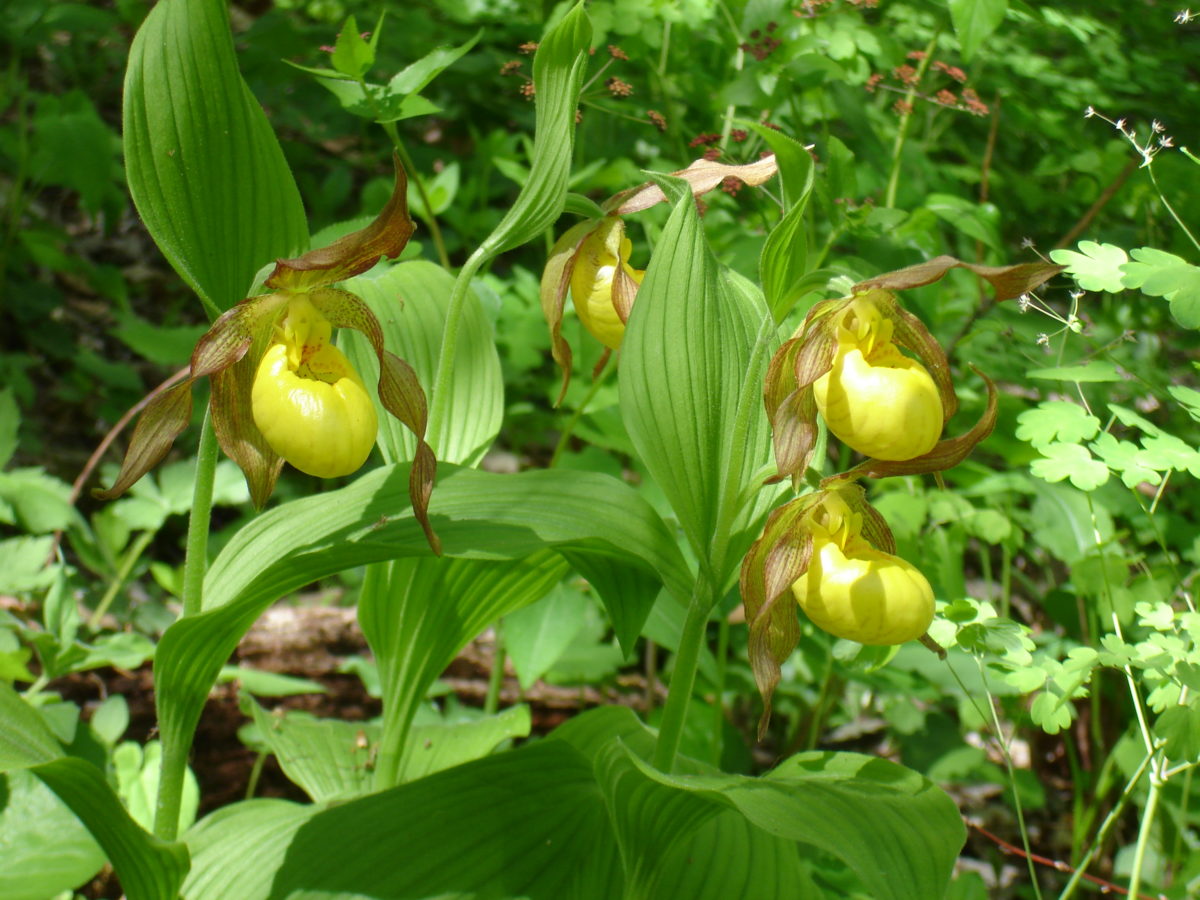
(1161, 274)
(1165, 451)
(1134, 465)
(1188, 398)
(1116, 652)
(1096, 268)
(1027, 679)
(1056, 420)
(1131, 419)
(1051, 713)
(1071, 461)
(1179, 726)
(1159, 616)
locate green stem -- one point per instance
(491, 702)
(393, 134)
(569, 428)
(196, 559)
(1068, 890)
(435, 231)
(174, 758)
(255, 774)
(132, 555)
(1144, 831)
(905, 118)
(454, 314)
(683, 675)
(718, 733)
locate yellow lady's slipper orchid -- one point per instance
(853, 590)
(282, 391)
(882, 403)
(592, 281)
(308, 401)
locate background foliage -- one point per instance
(1062, 552)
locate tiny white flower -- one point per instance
(1089, 112)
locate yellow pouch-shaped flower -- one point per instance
(882, 403)
(309, 402)
(863, 594)
(601, 255)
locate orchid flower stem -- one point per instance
(569, 428)
(454, 313)
(196, 561)
(174, 758)
(683, 676)
(491, 702)
(905, 118)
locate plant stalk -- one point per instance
(196, 559)
(893, 184)
(683, 675)
(441, 384)
(174, 759)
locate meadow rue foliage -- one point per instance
(591, 259)
(281, 391)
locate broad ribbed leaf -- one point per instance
(529, 823)
(690, 375)
(418, 613)
(478, 515)
(205, 170)
(237, 849)
(784, 260)
(25, 739)
(149, 869)
(335, 759)
(890, 826)
(558, 70)
(410, 301)
(896, 830)
(46, 849)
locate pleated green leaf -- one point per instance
(418, 613)
(691, 378)
(205, 170)
(896, 830)
(46, 849)
(892, 827)
(478, 515)
(528, 823)
(25, 739)
(149, 869)
(237, 849)
(558, 70)
(334, 759)
(784, 260)
(410, 301)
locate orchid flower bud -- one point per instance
(307, 400)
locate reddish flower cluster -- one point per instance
(618, 88)
(731, 186)
(617, 53)
(738, 134)
(760, 45)
(703, 138)
(528, 91)
(905, 75)
(657, 119)
(528, 47)
(511, 67)
(953, 71)
(712, 154)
